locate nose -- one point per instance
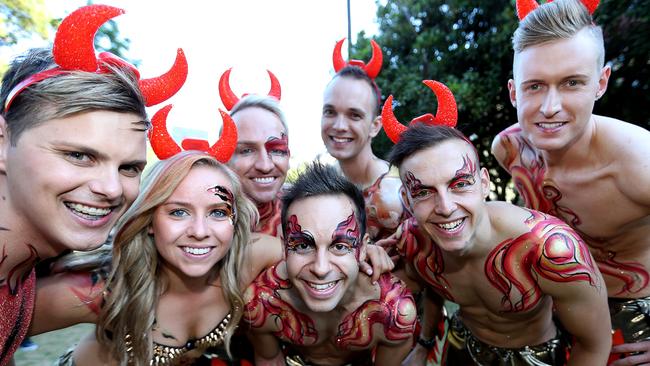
(552, 103)
(444, 205)
(321, 266)
(198, 228)
(340, 123)
(263, 163)
(107, 184)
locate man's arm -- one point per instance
(393, 354)
(267, 349)
(568, 273)
(66, 299)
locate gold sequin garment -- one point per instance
(168, 355)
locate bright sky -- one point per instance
(294, 39)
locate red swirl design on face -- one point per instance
(347, 232)
(413, 184)
(295, 235)
(425, 256)
(551, 249)
(274, 145)
(263, 303)
(394, 311)
(227, 197)
(468, 168)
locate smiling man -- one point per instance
(511, 270)
(316, 301)
(590, 171)
(262, 156)
(350, 120)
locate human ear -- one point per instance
(375, 126)
(485, 182)
(603, 80)
(512, 92)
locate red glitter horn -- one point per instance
(446, 115)
(373, 66)
(524, 7)
(229, 99)
(74, 50)
(164, 146)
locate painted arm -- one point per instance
(503, 148)
(66, 299)
(569, 275)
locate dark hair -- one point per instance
(320, 180)
(66, 94)
(357, 73)
(420, 136)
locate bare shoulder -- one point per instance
(90, 352)
(627, 150)
(262, 252)
(505, 144)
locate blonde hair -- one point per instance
(552, 21)
(133, 288)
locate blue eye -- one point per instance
(178, 213)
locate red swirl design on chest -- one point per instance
(269, 217)
(425, 256)
(263, 302)
(394, 311)
(551, 249)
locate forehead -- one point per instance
(347, 93)
(197, 182)
(117, 135)
(255, 124)
(439, 163)
(558, 59)
(321, 215)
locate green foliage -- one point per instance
(466, 44)
(22, 19)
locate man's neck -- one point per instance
(363, 169)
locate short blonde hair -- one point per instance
(560, 19)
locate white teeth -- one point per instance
(341, 139)
(550, 125)
(87, 210)
(322, 287)
(451, 225)
(197, 251)
(264, 179)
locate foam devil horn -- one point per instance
(229, 98)
(74, 47)
(373, 66)
(225, 146)
(159, 89)
(162, 144)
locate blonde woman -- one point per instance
(181, 257)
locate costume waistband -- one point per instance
(631, 317)
(549, 353)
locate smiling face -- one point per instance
(446, 191)
(262, 156)
(323, 248)
(70, 179)
(193, 229)
(348, 123)
(554, 89)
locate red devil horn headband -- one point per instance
(74, 50)
(373, 66)
(229, 99)
(446, 115)
(524, 7)
(165, 147)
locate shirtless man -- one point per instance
(350, 120)
(510, 269)
(262, 156)
(72, 147)
(591, 171)
(315, 301)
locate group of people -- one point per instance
(213, 250)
